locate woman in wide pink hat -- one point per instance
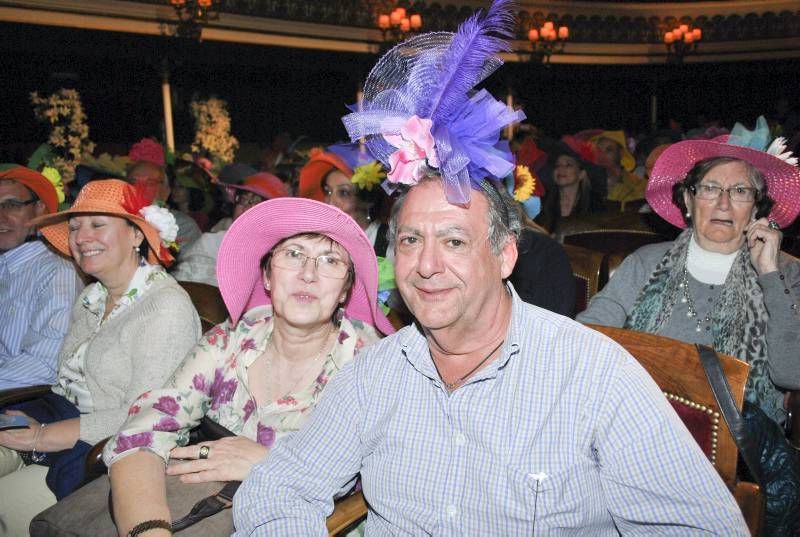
(724, 281)
(299, 279)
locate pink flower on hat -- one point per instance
(415, 149)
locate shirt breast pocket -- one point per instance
(560, 501)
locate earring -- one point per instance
(338, 316)
(688, 214)
(266, 286)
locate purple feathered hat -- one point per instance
(421, 115)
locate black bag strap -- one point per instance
(207, 430)
(208, 506)
(727, 405)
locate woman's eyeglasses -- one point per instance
(327, 265)
(247, 199)
(736, 193)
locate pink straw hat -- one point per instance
(782, 178)
(259, 229)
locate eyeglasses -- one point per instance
(327, 265)
(13, 205)
(737, 193)
(247, 199)
(342, 192)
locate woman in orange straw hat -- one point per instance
(129, 331)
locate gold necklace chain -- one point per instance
(456, 383)
(309, 366)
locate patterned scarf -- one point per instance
(739, 317)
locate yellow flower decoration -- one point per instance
(55, 178)
(368, 175)
(524, 183)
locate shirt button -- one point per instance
(452, 511)
(461, 439)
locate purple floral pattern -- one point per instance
(212, 381)
(125, 442)
(168, 405)
(222, 390)
(265, 435)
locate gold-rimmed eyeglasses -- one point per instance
(327, 265)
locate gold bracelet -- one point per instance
(37, 457)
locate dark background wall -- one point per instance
(271, 89)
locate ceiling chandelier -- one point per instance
(193, 15)
(546, 41)
(398, 25)
(681, 42)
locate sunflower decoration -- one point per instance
(526, 184)
(54, 177)
(368, 175)
(526, 188)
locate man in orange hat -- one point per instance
(198, 263)
(39, 286)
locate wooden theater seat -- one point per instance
(207, 300)
(586, 267)
(675, 366)
(613, 241)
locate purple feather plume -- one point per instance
(478, 40)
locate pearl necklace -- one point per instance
(687, 299)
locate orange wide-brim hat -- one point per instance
(319, 165)
(107, 197)
(35, 181)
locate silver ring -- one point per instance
(774, 225)
(204, 450)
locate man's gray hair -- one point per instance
(504, 220)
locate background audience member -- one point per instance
(129, 331)
(611, 148)
(724, 282)
(39, 287)
(148, 171)
(348, 178)
(262, 373)
(198, 262)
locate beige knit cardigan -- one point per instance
(133, 352)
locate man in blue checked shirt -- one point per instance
(37, 286)
(491, 416)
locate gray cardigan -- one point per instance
(613, 305)
(132, 352)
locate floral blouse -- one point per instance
(212, 381)
(71, 382)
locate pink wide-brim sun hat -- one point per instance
(782, 179)
(260, 228)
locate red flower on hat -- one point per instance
(147, 150)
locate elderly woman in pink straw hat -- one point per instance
(724, 281)
(129, 330)
(299, 279)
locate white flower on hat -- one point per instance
(161, 219)
(778, 149)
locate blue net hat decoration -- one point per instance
(421, 114)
